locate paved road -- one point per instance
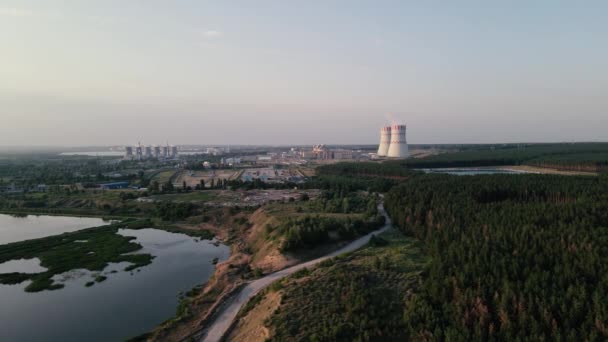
(230, 309)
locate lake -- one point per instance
(465, 171)
(125, 305)
(19, 228)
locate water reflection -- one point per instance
(15, 228)
(29, 266)
(125, 305)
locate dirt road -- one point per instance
(228, 312)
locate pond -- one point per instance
(464, 171)
(19, 228)
(125, 305)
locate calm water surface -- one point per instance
(125, 305)
(19, 228)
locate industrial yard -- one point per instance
(272, 175)
(194, 178)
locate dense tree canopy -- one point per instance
(513, 257)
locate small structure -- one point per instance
(115, 185)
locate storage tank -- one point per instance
(398, 145)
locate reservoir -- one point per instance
(19, 228)
(125, 305)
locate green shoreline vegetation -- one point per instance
(91, 249)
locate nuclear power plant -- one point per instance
(140, 152)
(393, 143)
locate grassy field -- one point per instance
(195, 196)
(164, 176)
(76, 203)
(301, 209)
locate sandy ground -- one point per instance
(542, 170)
(258, 197)
(251, 328)
(226, 315)
(423, 153)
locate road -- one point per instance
(229, 310)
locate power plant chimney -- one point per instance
(385, 140)
(398, 144)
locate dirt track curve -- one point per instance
(230, 309)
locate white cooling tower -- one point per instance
(385, 140)
(398, 145)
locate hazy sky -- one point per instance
(301, 72)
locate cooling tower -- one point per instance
(398, 145)
(385, 140)
(148, 151)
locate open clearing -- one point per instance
(193, 178)
(547, 171)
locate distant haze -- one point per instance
(112, 72)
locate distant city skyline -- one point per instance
(111, 72)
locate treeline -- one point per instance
(311, 231)
(513, 257)
(29, 172)
(369, 169)
(172, 211)
(348, 176)
(589, 162)
(353, 202)
(592, 156)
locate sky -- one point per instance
(112, 72)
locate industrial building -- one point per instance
(150, 151)
(322, 152)
(115, 185)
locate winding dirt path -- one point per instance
(230, 309)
